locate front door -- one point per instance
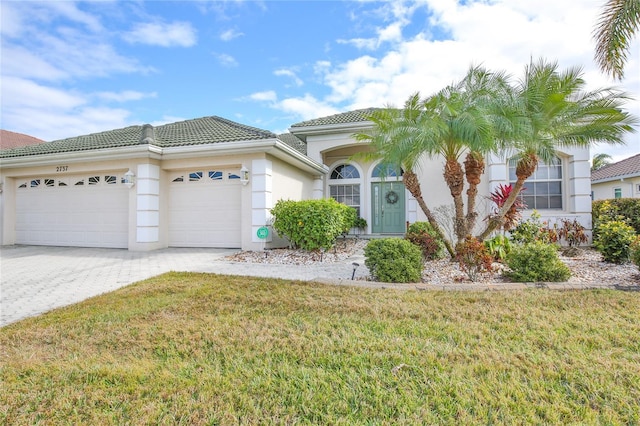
(387, 199)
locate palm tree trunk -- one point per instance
(473, 169)
(410, 180)
(454, 177)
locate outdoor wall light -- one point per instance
(244, 175)
(129, 179)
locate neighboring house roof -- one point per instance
(294, 142)
(356, 116)
(10, 140)
(205, 130)
(629, 167)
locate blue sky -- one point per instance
(73, 68)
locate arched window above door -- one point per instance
(386, 171)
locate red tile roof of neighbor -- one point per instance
(627, 167)
(14, 140)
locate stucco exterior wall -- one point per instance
(629, 188)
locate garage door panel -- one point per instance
(205, 213)
(83, 215)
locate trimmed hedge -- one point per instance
(393, 260)
(312, 224)
(628, 208)
(536, 262)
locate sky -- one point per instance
(71, 68)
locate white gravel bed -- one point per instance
(586, 268)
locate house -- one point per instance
(617, 180)
(211, 182)
(14, 140)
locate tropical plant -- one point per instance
(474, 258)
(634, 250)
(627, 209)
(599, 161)
(557, 111)
(422, 235)
(499, 247)
(499, 196)
(613, 241)
(617, 25)
(573, 232)
(462, 119)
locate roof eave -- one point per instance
(615, 178)
(119, 153)
(330, 128)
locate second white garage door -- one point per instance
(204, 209)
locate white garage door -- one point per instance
(80, 211)
(205, 209)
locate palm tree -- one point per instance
(617, 25)
(557, 112)
(458, 120)
(599, 161)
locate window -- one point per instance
(617, 193)
(94, 180)
(215, 175)
(233, 176)
(111, 180)
(345, 192)
(385, 171)
(195, 176)
(543, 190)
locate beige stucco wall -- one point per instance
(630, 188)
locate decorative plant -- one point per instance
(634, 249)
(423, 235)
(533, 229)
(499, 247)
(474, 258)
(572, 232)
(499, 197)
(360, 223)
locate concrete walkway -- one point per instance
(36, 279)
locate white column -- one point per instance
(148, 203)
(261, 197)
(318, 188)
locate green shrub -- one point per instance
(474, 258)
(312, 224)
(634, 249)
(360, 222)
(613, 241)
(627, 208)
(532, 229)
(499, 247)
(535, 262)
(393, 260)
(424, 236)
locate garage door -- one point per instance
(80, 211)
(205, 209)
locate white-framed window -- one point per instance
(543, 190)
(344, 185)
(617, 192)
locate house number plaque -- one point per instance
(263, 232)
(62, 168)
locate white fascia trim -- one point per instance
(615, 178)
(268, 146)
(331, 128)
(121, 153)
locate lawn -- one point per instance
(187, 348)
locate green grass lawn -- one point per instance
(207, 349)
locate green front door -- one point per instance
(387, 206)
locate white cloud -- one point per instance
(289, 73)
(230, 35)
(226, 60)
(306, 107)
(125, 96)
(266, 96)
(162, 34)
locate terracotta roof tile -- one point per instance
(10, 140)
(626, 167)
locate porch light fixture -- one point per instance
(244, 175)
(129, 179)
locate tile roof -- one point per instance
(189, 132)
(10, 140)
(356, 116)
(626, 167)
(294, 142)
